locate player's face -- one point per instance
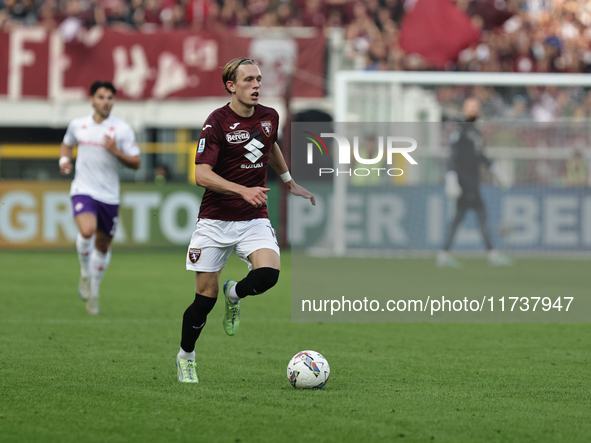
(247, 85)
(472, 109)
(102, 102)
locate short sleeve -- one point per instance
(276, 136)
(209, 144)
(69, 137)
(127, 143)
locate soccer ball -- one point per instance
(308, 370)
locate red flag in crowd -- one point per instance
(437, 30)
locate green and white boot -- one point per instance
(498, 260)
(187, 370)
(84, 288)
(445, 260)
(231, 319)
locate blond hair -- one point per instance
(231, 70)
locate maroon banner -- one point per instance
(438, 30)
(177, 64)
(3, 63)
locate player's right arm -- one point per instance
(66, 146)
(207, 178)
(452, 185)
(65, 159)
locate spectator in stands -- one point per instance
(545, 107)
(257, 9)
(233, 13)
(359, 34)
(152, 12)
(313, 14)
(576, 171)
(203, 14)
(583, 110)
(378, 55)
(285, 15)
(173, 17)
(47, 18)
(115, 14)
(17, 13)
(75, 16)
(518, 111)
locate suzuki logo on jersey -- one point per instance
(238, 136)
(254, 148)
(253, 166)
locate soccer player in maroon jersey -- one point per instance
(237, 143)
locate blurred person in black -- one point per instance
(576, 171)
(462, 182)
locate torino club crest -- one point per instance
(267, 128)
(194, 254)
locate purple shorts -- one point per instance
(106, 215)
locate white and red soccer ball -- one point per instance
(308, 370)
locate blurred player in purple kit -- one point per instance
(238, 142)
(103, 141)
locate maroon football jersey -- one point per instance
(238, 148)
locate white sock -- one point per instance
(99, 261)
(84, 248)
(186, 355)
(232, 296)
(442, 256)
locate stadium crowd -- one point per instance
(516, 35)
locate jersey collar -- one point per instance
(108, 120)
(234, 114)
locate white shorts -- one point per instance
(213, 241)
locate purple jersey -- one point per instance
(238, 149)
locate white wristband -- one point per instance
(64, 160)
(286, 176)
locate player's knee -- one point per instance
(265, 279)
(201, 306)
(86, 232)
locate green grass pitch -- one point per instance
(69, 377)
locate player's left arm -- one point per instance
(499, 178)
(278, 164)
(452, 182)
(131, 160)
(484, 160)
(479, 147)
